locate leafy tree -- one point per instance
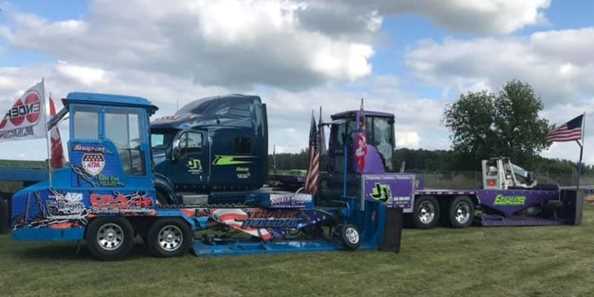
(485, 124)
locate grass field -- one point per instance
(525, 261)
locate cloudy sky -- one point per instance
(411, 58)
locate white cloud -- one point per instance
(484, 16)
(236, 43)
(558, 64)
(408, 139)
(88, 76)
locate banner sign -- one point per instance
(393, 189)
(26, 119)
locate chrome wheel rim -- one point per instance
(170, 238)
(351, 235)
(110, 236)
(462, 213)
(426, 212)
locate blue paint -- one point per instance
(239, 248)
(49, 234)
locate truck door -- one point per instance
(191, 167)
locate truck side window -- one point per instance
(383, 138)
(194, 140)
(86, 125)
(123, 129)
(191, 140)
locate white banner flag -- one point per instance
(26, 119)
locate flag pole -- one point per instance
(47, 137)
(581, 144)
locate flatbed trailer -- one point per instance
(510, 207)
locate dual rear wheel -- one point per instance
(459, 212)
(112, 238)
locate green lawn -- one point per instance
(525, 261)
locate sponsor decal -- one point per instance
(381, 192)
(226, 160)
(88, 148)
(108, 181)
(129, 204)
(194, 166)
(93, 163)
(289, 200)
(510, 200)
(68, 205)
(243, 172)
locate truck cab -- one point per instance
(379, 127)
(210, 148)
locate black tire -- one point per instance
(426, 213)
(169, 237)
(110, 238)
(461, 212)
(350, 236)
(4, 216)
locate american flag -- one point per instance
(569, 131)
(312, 179)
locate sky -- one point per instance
(410, 58)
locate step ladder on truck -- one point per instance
(107, 195)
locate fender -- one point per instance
(164, 185)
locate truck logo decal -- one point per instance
(226, 160)
(93, 163)
(510, 200)
(381, 192)
(194, 166)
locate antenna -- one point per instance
(274, 157)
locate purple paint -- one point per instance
(510, 202)
(393, 189)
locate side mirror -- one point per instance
(176, 149)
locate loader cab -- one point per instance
(379, 129)
(502, 174)
(109, 141)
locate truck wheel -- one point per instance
(350, 236)
(461, 212)
(110, 238)
(169, 237)
(426, 213)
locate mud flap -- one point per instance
(572, 206)
(392, 230)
